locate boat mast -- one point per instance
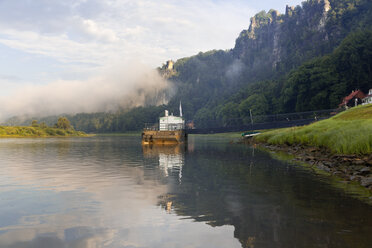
(180, 109)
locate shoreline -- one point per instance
(8, 132)
(350, 168)
(46, 137)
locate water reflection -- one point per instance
(171, 158)
(75, 237)
(112, 192)
(97, 192)
(269, 203)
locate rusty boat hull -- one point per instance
(163, 137)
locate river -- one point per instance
(112, 192)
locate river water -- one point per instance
(112, 192)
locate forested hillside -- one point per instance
(268, 54)
(305, 59)
(318, 84)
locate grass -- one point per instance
(31, 132)
(349, 132)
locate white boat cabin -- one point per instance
(171, 122)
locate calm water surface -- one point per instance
(112, 192)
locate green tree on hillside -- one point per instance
(34, 123)
(63, 123)
(255, 103)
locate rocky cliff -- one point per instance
(279, 41)
(273, 45)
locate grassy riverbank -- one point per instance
(349, 132)
(31, 132)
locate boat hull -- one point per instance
(163, 137)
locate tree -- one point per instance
(43, 125)
(256, 103)
(229, 114)
(34, 123)
(63, 123)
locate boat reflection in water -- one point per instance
(171, 160)
(260, 197)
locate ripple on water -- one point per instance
(112, 192)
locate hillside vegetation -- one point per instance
(305, 59)
(349, 132)
(308, 58)
(317, 84)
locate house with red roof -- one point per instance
(368, 98)
(355, 98)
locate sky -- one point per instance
(48, 41)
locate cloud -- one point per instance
(89, 37)
(9, 83)
(124, 85)
(89, 31)
(10, 78)
(92, 30)
(67, 42)
(57, 47)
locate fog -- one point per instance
(122, 86)
(234, 70)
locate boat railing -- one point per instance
(151, 126)
(163, 127)
(171, 126)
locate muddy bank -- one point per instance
(349, 167)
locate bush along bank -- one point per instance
(61, 129)
(341, 145)
(35, 132)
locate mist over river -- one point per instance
(112, 192)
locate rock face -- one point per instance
(167, 70)
(272, 37)
(323, 19)
(261, 38)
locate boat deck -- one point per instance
(163, 137)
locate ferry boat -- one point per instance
(171, 130)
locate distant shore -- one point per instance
(38, 132)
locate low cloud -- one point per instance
(122, 86)
(235, 69)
